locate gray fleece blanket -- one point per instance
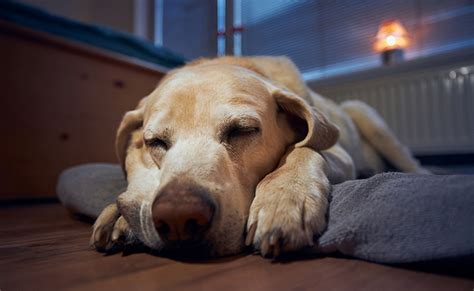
(389, 218)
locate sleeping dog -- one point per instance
(233, 152)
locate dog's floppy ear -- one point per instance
(321, 133)
(131, 121)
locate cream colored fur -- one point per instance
(271, 180)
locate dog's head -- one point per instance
(195, 149)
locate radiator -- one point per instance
(432, 111)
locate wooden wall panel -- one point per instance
(60, 106)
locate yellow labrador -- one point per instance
(231, 152)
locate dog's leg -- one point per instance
(110, 230)
(372, 161)
(374, 129)
(291, 203)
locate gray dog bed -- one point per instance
(389, 218)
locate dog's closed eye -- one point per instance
(157, 143)
(239, 129)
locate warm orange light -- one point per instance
(391, 35)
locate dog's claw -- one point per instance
(271, 245)
(96, 236)
(120, 229)
(116, 234)
(250, 234)
(103, 227)
(276, 250)
(265, 248)
(110, 231)
(275, 243)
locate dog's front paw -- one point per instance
(111, 231)
(285, 219)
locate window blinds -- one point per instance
(329, 37)
(190, 27)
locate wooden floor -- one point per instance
(43, 248)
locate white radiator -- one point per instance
(432, 111)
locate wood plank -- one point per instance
(43, 248)
(61, 104)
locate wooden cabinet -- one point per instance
(61, 103)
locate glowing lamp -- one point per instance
(391, 39)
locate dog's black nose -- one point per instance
(182, 213)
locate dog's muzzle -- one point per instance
(182, 213)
